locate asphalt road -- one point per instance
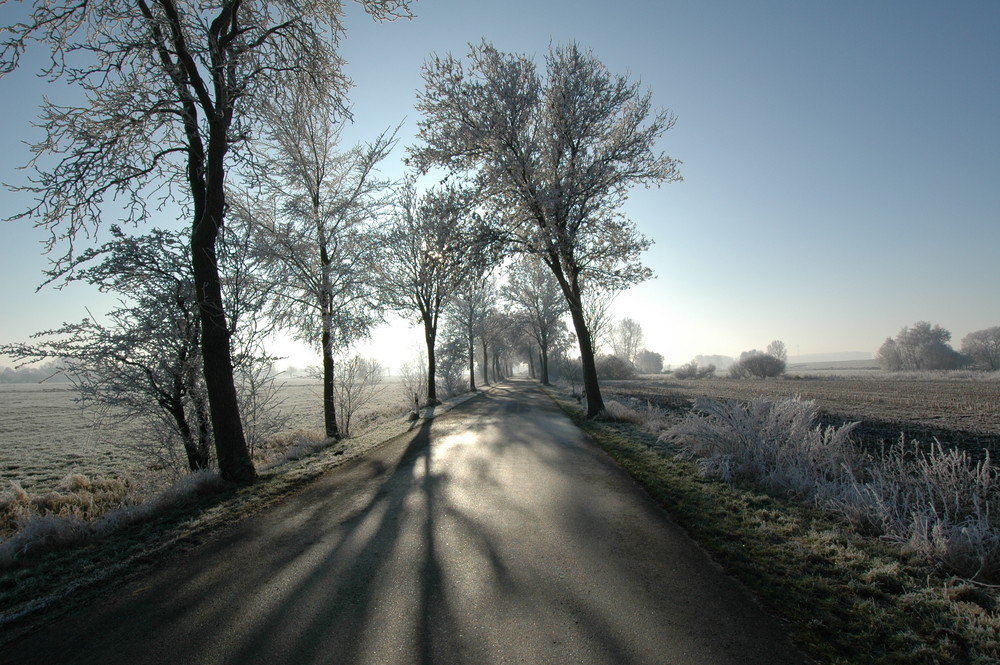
(497, 533)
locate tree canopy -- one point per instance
(553, 158)
(172, 91)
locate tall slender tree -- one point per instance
(554, 159)
(316, 232)
(171, 90)
(431, 246)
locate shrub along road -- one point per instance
(498, 533)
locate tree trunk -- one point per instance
(486, 362)
(196, 461)
(329, 403)
(203, 418)
(230, 443)
(543, 354)
(430, 334)
(595, 403)
(472, 358)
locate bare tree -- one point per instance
(536, 294)
(626, 340)
(315, 233)
(172, 89)
(888, 356)
(983, 347)
(430, 248)
(597, 313)
(359, 382)
(778, 350)
(553, 160)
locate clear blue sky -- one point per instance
(841, 161)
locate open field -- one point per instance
(961, 410)
(45, 434)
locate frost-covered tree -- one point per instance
(431, 245)
(920, 347)
(888, 356)
(650, 362)
(141, 362)
(553, 158)
(597, 314)
(983, 347)
(626, 340)
(171, 90)
(778, 350)
(757, 364)
(359, 381)
(315, 230)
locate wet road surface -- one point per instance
(497, 533)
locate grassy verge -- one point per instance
(847, 598)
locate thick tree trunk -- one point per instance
(230, 444)
(595, 402)
(329, 403)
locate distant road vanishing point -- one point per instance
(496, 533)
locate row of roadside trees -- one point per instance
(231, 111)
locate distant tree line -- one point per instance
(751, 364)
(52, 371)
(924, 346)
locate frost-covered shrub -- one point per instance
(291, 446)
(74, 496)
(693, 371)
(935, 502)
(613, 367)
(620, 412)
(776, 445)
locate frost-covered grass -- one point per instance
(847, 597)
(936, 502)
(85, 509)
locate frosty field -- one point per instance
(44, 434)
(961, 409)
